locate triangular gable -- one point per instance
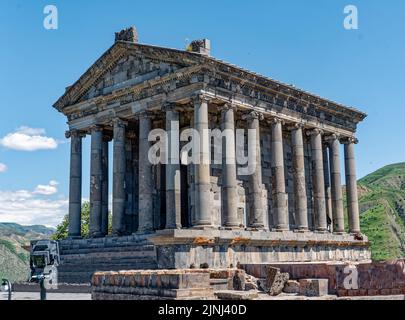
(125, 64)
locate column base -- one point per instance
(231, 228)
(281, 229)
(301, 230)
(178, 227)
(253, 228)
(203, 227)
(321, 231)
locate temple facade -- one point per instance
(290, 208)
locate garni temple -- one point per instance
(291, 208)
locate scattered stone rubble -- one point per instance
(237, 284)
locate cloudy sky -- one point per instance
(299, 42)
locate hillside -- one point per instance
(382, 207)
(13, 258)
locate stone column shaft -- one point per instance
(173, 191)
(105, 191)
(328, 200)
(75, 186)
(278, 177)
(229, 181)
(336, 186)
(300, 191)
(256, 216)
(96, 172)
(351, 187)
(202, 169)
(145, 176)
(318, 181)
(119, 169)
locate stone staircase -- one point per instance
(81, 258)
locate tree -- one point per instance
(62, 229)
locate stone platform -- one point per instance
(186, 248)
(211, 248)
(80, 258)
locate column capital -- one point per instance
(200, 97)
(119, 122)
(75, 134)
(228, 106)
(145, 114)
(314, 132)
(253, 115)
(349, 140)
(96, 128)
(274, 120)
(332, 137)
(170, 106)
(295, 126)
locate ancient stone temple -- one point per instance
(290, 208)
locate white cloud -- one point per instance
(48, 189)
(3, 167)
(28, 139)
(26, 208)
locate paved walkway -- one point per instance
(50, 296)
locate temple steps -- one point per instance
(81, 258)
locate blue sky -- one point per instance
(298, 42)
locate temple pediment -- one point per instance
(124, 65)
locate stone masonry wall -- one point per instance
(376, 278)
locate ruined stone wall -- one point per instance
(376, 278)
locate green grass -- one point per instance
(381, 219)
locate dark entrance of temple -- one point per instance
(185, 215)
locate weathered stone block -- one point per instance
(313, 287)
(275, 281)
(238, 280)
(292, 286)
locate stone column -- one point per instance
(229, 181)
(105, 188)
(278, 177)
(351, 186)
(202, 173)
(300, 191)
(96, 172)
(326, 174)
(75, 186)
(256, 217)
(318, 183)
(119, 169)
(145, 176)
(336, 187)
(173, 191)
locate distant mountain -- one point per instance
(382, 207)
(14, 260)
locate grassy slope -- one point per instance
(382, 203)
(14, 260)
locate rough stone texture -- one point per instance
(237, 295)
(251, 283)
(313, 287)
(292, 286)
(374, 279)
(152, 285)
(239, 281)
(275, 281)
